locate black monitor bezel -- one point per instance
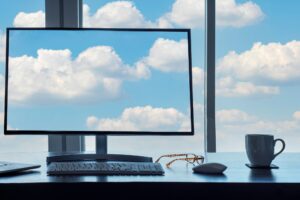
(119, 133)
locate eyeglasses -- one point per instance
(188, 157)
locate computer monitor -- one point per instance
(95, 81)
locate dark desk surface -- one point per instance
(237, 172)
(286, 179)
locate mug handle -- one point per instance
(283, 146)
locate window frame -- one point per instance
(66, 14)
(210, 66)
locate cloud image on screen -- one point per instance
(63, 80)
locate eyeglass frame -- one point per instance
(196, 158)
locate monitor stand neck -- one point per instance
(101, 155)
(101, 144)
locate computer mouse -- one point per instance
(210, 168)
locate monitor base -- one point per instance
(97, 157)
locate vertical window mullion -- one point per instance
(64, 13)
(210, 122)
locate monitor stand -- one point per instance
(100, 155)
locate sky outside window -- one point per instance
(258, 71)
(261, 102)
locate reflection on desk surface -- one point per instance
(237, 172)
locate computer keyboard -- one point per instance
(104, 168)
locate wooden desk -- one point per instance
(238, 182)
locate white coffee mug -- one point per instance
(260, 149)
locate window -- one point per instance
(257, 71)
(156, 14)
(257, 67)
(18, 13)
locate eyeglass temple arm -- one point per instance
(170, 156)
(185, 159)
(172, 161)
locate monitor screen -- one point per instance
(98, 81)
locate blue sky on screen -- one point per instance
(254, 93)
(82, 80)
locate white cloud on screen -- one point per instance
(69, 79)
(168, 55)
(141, 118)
(229, 13)
(33, 19)
(78, 78)
(273, 61)
(110, 63)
